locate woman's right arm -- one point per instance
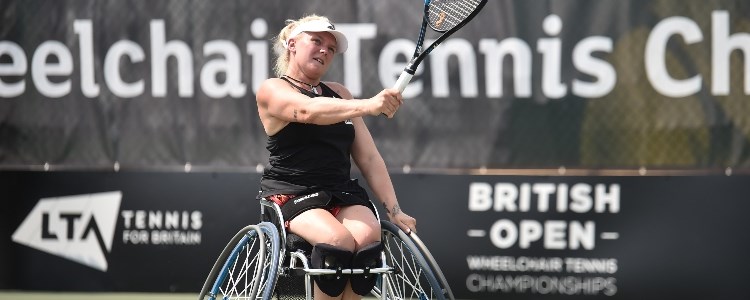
(279, 103)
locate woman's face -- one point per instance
(313, 52)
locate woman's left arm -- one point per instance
(369, 161)
(372, 166)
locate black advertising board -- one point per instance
(536, 237)
(519, 237)
(169, 227)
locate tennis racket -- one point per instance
(445, 16)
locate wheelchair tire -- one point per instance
(433, 265)
(247, 267)
(414, 278)
(273, 261)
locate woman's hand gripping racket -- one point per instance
(446, 16)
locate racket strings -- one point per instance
(444, 15)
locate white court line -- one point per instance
(476, 233)
(610, 235)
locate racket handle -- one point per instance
(403, 81)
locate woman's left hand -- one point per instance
(404, 221)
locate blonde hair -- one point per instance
(279, 45)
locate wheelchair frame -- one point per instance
(255, 275)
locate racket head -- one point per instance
(447, 15)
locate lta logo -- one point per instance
(80, 228)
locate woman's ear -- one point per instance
(291, 45)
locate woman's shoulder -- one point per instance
(269, 86)
(339, 89)
(273, 82)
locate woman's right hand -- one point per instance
(386, 102)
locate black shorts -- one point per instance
(293, 205)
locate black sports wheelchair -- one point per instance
(263, 261)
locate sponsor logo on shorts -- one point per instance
(303, 198)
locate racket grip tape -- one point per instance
(403, 81)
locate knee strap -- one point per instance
(367, 257)
(325, 256)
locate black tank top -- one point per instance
(305, 158)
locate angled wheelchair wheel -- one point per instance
(248, 266)
(433, 266)
(272, 265)
(415, 277)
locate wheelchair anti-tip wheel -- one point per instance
(247, 267)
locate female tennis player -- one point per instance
(315, 129)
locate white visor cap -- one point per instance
(321, 26)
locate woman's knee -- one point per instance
(340, 237)
(351, 235)
(368, 234)
(363, 226)
(322, 227)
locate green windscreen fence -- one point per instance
(527, 84)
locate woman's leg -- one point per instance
(354, 227)
(320, 226)
(365, 229)
(361, 224)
